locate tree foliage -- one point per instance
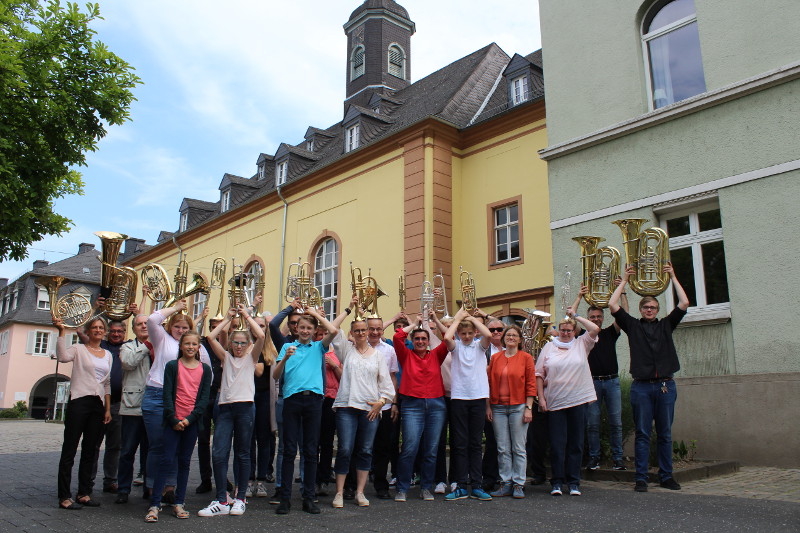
(59, 88)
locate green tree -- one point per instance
(59, 89)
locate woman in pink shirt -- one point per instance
(90, 389)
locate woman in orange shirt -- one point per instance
(512, 388)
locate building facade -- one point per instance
(685, 113)
(416, 179)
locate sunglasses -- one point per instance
(496, 330)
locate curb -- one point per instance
(700, 470)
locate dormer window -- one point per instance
(225, 201)
(352, 136)
(42, 299)
(280, 173)
(184, 222)
(310, 145)
(519, 90)
(262, 172)
(357, 63)
(397, 62)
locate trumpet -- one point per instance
(258, 287)
(440, 296)
(218, 269)
(565, 291)
(427, 299)
(648, 252)
(401, 292)
(468, 299)
(600, 267)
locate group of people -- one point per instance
(385, 401)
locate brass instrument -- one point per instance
(308, 294)
(401, 291)
(531, 330)
(117, 284)
(292, 288)
(218, 269)
(540, 339)
(648, 252)
(426, 299)
(469, 300)
(258, 287)
(237, 293)
(566, 291)
(155, 278)
(367, 291)
(440, 296)
(73, 309)
(181, 276)
(600, 267)
(198, 284)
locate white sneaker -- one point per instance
(453, 486)
(214, 509)
(237, 509)
(261, 490)
(441, 488)
(249, 492)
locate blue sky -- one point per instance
(224, 82)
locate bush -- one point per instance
(20, 410)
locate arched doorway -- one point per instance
(43, 395)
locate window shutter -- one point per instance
(51, 343)
(31, 340)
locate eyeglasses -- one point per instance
(239, 343)
(496, 330)
(293, 323)
(650, 307)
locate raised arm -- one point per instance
(450, 335)
(613, 302)
(255, 331)
(332, 330)
(62, 354)
(683, 299)
(486, 335)
(216, 347)
(591, 328)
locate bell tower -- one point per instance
(378, 50)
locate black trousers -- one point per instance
(491, 470)
(84, 418)
(327, 430)
(204, 440)
(441, 456)
(382, 451)
(301, 413)
(466, 424)
(536, 448)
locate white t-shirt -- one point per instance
(468, 377)
(567, 378)
(391, 363)
(238, 379)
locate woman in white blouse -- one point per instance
(364, 389)
(88, 409)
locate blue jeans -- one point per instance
(511, 435)
(234, 422)
(133, 437)
(356, 436)
(301, 419)
(178, 447)
(422, 421)
(153, 415)
(651, 404)
(607, 391)
(566, 443)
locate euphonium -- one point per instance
(426, 299)
(648, 252)
(72, 309)
(401, 291)
(468, 299)
(540, 340)
(600, 267)
(308, 294)
(218, 269)
(117, 284)
(440, 296)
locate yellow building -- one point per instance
(416, 178)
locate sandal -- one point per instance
(179, 511)
(152, 515)
(71, 507)
(87, 501)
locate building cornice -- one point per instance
(700, 102)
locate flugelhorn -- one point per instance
(648, 252)
(468, 299)
(197, 285)
(117, 284)
(600, 267)
(440, 296)
(218, 268)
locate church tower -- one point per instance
(378, 50)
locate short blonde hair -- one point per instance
(567, 320)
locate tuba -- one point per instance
(600, 267)
(218, 268)
(117, 284)
(648, 252)
(468, 299)
(530, 330)
(440, 296)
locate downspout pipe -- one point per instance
(283, 246)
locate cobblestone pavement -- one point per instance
(754, 499)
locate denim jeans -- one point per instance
(178, 447)
(566, 443)
(356, 436)
(262, 443)
(234, 422)
(301, 419)
(466, 424)
(153, 415)
(133, 437)
(422, 421)
(511, 435)
(607, 391)
(651, 404)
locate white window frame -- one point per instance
(326, 247)
(198, 304)
(700, 311)
(519, 89)
(184, 221)
(4, 342)
(647, 37)
(357, 70)
(508, 225)
(41, 343)
(4, 305)
(42, 299)
(310, 145)
(352, 138)
(281, 171)
(225, 201)
(262, 172)
(397, 49)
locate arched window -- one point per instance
(326, 275)
(397, 61)
(671, 47)
(255, 280)
(357, 63)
